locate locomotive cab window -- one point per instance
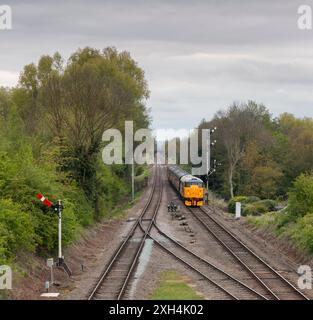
(188, 184)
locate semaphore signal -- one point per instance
(44, 200)
(58, 208)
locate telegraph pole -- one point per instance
(207, 164)
(133, 179)
(208, 156)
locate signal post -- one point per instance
(57, 208)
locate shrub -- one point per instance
(26, 223)
(232, 203)
(253, 209)
(248, 210)
(302, 233)
(251, 205)
(269, 204)
(16, 229)
(301, 196)
(252, 199)
(295, 222)
(4, 250)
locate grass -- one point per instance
(120, 211)
(173, 286)
(217, 202)
(3, 295)
(263, 221)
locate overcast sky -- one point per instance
(198, 56)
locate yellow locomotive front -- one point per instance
(192, 191)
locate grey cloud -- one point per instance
(199, 56)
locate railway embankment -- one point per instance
(291, 227)
(85, 257)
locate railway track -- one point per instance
(224, 285)
(228, 285)
(115, 278)
(271, 283)
(113, 282)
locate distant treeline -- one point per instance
(266, 158)
(259, 155)
(51, 126)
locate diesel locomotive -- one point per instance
(190, 188)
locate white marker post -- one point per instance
(50, 265)
(47, 286)
(238, 210)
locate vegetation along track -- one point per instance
(115, 277)
(270, 280)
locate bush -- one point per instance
(252, 199)
(4, 250)
(296, 222)
(251, 205)
(253, 209)
(301, 196)
(25, 222)
(111, 191)
(269, 204)
(16, 230)
(302, 233)
(232, 203)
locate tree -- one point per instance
(95, 91)
(5, 102)
(261, 174)
(238, 125)
(299, 145)
(51, 127)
